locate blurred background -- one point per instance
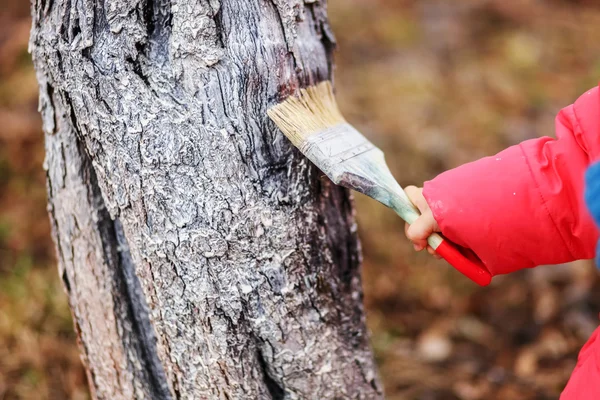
(434, 83)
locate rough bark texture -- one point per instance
(204, 258)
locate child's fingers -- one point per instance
(425, 225)
(415, 195)
(420, 230)
(418, 245)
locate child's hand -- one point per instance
(425, 225)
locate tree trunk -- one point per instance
(204, 258)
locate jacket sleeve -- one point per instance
(525, 207)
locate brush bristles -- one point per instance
(314, 111)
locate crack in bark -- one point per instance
(276, 391)
(136, 67)
(158, 19)
(116, 253)
(65, 17)
(218, 18)
(139, 311)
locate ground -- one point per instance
(435, 85)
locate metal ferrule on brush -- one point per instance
(334, 146)
(352, 161)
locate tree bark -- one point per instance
(204, 257)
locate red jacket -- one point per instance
(525, 207)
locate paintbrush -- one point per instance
(315, 125)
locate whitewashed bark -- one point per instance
(204, 258)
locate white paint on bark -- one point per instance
(203, 256)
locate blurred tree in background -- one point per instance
(435, 84)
